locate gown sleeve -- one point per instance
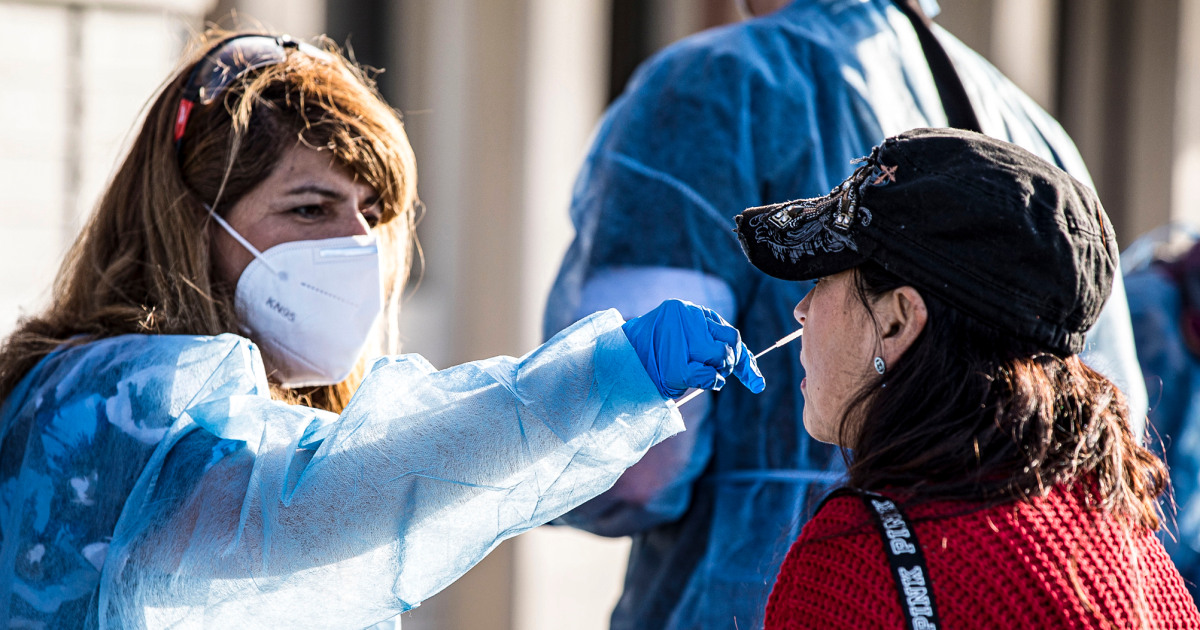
(255, 513)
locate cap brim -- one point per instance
(797, 240)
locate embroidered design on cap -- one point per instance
(806, 227)
(802, 228)
(883, 175)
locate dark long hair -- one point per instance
(971, 413)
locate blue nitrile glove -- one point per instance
(683, 346)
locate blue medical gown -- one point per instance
(150, 481)
(763, 111)
(1172, 375)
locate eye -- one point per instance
(372, 216)
(310, 212)
(372, 212)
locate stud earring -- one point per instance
(879, 365)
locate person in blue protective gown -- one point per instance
(1164, 303)
(190, 433)
(770, 109)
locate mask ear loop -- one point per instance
(240, 239)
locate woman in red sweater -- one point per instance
(993, 480)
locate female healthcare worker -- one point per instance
(189, 437)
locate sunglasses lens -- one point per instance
(228, 61)
(235, 57)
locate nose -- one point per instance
(801, 310)
(350, 222)
(361, 227)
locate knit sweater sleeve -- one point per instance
(835, 575)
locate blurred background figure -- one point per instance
(500, 97)
(1163, 285)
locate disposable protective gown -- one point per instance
(1172, 374)
(150, 481)
(763, 111)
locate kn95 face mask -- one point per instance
(311, 305)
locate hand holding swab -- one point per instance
(778, 344)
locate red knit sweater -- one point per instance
(1050, 563)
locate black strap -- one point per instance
(909, 571)
(959, 111)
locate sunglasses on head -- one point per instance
(226, 62)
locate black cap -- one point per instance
(986, 226)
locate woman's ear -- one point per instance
(901, 314)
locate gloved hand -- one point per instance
(683, 345)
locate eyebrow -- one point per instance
(316, 189)
(328, 193)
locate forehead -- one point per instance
(842, 280)
(838, 291)
(301, 163)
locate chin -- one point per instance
(824, 438)
(819, 433)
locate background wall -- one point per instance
(75, 76)
(499, 97)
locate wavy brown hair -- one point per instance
(970, 413)
(142, 262)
